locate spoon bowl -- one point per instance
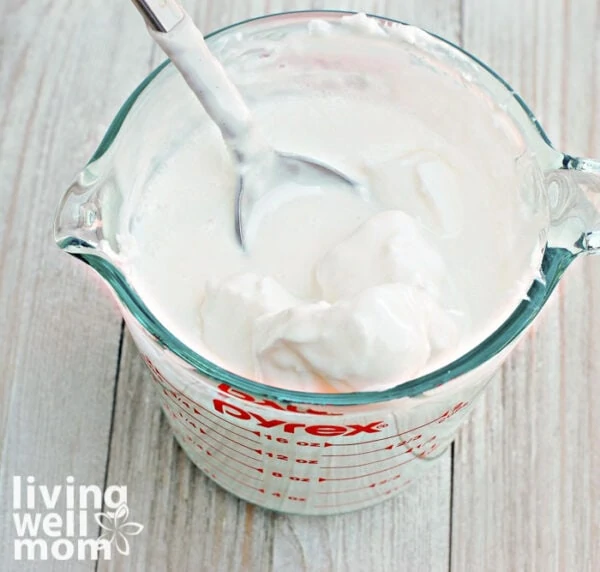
(281, 177)
(261, 169)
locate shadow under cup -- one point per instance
(304, 452)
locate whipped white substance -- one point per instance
(377, 314)
(337, 293)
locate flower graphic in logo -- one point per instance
(117, 528)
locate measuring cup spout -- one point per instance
(574, 199)
(88, 213)
(78, 222)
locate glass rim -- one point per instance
(554, 263)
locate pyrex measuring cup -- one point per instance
(304, 452)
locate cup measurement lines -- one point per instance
(206, 421)
(212, 451)
(194, 422)
(416, 440)
(172, 393)
(218, 443)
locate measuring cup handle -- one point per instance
(574, 199)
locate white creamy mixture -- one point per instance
(337, 293)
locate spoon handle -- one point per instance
(160, 15)
(184, 44)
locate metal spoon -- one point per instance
(261, 168)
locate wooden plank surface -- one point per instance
(64, 70)
(527, 468)
(526, 488)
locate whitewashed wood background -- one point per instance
(519, 491)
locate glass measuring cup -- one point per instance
(294, 451)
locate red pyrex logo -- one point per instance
(227, 408)
(272, 404)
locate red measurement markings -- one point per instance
(292, 478)
(220, 452)
(324, 479)
(291, 498)
(285, 441)
(208, 447)
(220, 419)
(366, 442)
(236, 411)
(258, 469)
(403, 443)
(276, 456)
(213, 429)
(412, 443)
(364, 487)
(199, 410)
(443, 417)
(172, 391)
(208, 468)
(196, 412)
(277, 439)
(280, 457)
(396, 489)
(221, 444)
(416, 455)
(204, 446)
(452, 411)
(220, 475)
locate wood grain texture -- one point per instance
(526, 482)
(194, 525)
(527, 469)
(64, 70)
